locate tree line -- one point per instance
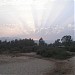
(59, 49)
(22, 45)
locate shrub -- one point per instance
(56, 52)
(71, 48)
(60, 54)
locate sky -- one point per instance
(49, 19)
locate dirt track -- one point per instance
(30, 65)
(24, 66)
(64, 67)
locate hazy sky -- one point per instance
(50, 19)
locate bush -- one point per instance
(71, 48)
(58, 53)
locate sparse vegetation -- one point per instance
(57, 49)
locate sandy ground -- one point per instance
(64, 67)
(72, 61)
(24, 65)
(29, 64)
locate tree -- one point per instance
(57, 42)
(66, 40)
(41, 42)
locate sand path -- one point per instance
(25, 66)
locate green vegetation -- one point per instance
(25, 45)
(60, 49)
(54, 52)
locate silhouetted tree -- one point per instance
(57, 43)
(66, 40)
(42, 42)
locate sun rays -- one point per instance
(35, 17)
